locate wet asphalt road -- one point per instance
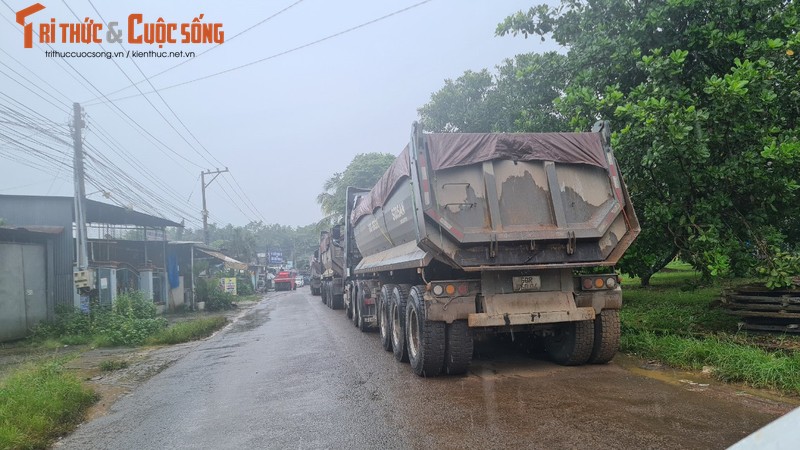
(292, 373)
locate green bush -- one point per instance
(132, 320)
(209, 291)
(244, 285)
(135, 306)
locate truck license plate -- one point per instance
(527, 283)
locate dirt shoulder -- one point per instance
(141, 363)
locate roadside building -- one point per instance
(128, 250)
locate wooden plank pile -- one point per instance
(762, 309)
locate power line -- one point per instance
(140, 128)
(147, 99)
(276, 55)
(185, 127)
(227, 41)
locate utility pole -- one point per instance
(205, 185)
(80, 189)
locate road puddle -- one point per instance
(698, 382)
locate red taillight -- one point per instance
(463, 289)
(587, 283)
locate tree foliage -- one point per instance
(243, 243)
(705, 96)
(519, 97)
(363, 171)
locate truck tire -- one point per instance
(323, 293)
(337, 301)
(384, 324)
(360, 323)
(349, 305)
(354, 303)
(572, 343)
(397, 314)
(606, 336)
(458, 348)
(425, 339)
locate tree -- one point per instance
(363, 171)
(464, 105)
(518, 98)
(704, 95)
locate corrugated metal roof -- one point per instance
(229, 262)
(43, 229)
(98, 212)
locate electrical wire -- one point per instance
(227, 41)
(276, 55)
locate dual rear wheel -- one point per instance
(433, 348)
(589, 341)
(430, 347)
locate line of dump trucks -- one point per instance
(471, 233)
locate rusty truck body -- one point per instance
(469, 232)
(315, 276)
(331, 256)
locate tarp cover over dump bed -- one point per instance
(449, 150)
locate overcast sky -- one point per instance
(281, 126)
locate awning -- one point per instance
(230, 263)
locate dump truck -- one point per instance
(331, 255)
(316, 270)
(485, 233)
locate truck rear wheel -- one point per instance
(572, 343)
(360, 322)
(425, 339)
(384, 324)
(397, 314)
(458, 348)
(348, 306)
(606, 336)
(323, 293)
(354, 303)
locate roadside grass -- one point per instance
(39, 403)
(111, 365)
(188, 331)
(678, 321)
(247, 298)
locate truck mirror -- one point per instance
(336, 232)
(316, 254)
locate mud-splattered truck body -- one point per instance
(467, 233)
(331, 257)
(316, 269)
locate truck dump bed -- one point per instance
(331, 255)
(494, 201)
